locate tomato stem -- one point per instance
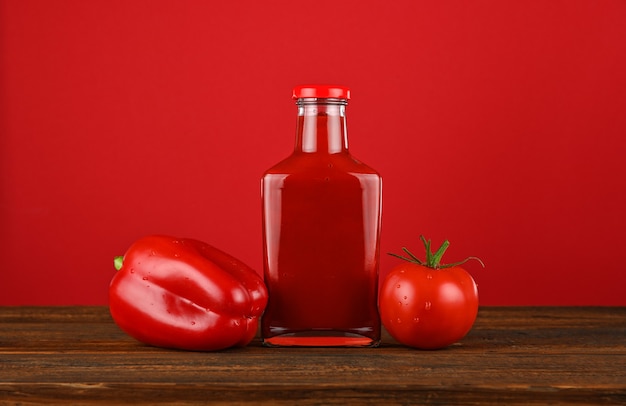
(433, 260)
(413, 257)
(118, 262)
(429, 255)
(436, 258)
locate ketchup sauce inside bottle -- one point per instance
(321, 228)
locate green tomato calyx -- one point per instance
(118, 262)
(433, 260)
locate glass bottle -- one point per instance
(321, 228)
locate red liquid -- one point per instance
(321, 215)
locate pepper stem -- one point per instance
(433, 260)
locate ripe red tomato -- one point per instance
(426, 305)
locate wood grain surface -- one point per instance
(513, 355)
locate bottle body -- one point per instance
(321, 227)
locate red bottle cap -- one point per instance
(321, 92)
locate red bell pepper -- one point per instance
(185, 294)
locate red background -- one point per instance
(499, 125)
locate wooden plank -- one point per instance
(513, 355)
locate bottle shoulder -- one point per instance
(313, 162)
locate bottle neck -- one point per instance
(321, 126)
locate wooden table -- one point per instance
(539, 355)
